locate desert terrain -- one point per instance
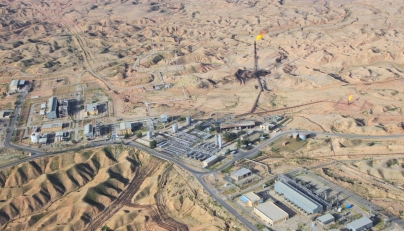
(313, 52)
(78, 191)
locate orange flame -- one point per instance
(260, 36)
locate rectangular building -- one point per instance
(88, 131)
(251, 199)
(326, 219)
(240, 174)
(267, 126)
(13, 85)
(298, 198)
(125, 128)
(52, 127)
(210, 161)
(51, 111)
(270, 213)
(92, 109)
(240, 124)
(363, 223)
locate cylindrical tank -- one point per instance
(175, 128)
(188, 120)
(303, 136)
(220, 140)
(35, 137)
(149, 134)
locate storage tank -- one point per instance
(35, 137)
(219, 141)
(175, 128)
(188, 120)
(149, 134)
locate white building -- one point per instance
(270, 213)
(210, 161)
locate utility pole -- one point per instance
(152, 39)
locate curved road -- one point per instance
(198, 174)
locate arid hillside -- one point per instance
(334, 48)
(112, 186)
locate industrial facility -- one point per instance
(326, 219)
(296, 197)
(270, 213)
(240, 174)
(237, 125)
(88, 131)
(52, 108)
(251, 199)
(363, 223)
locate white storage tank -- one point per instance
(35, 137)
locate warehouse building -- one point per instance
(13, 85)
(125, 128)
(326, 219)
(51, 111)
(92, 109)
(298, 198)
(251, 199)
(240, 174)
(52, 127)
(270, 213)
(88, 131)
(210, 161)
(237, 125)
(363, 223)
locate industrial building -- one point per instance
(13, 85)
(267, 126)
(52, 127)
(363, 223)
(240, 174)
(326, 219)
(35, 137)
(92, 109)
(43, 140)
(43, 105)
(210, 161)
(88, 131)
(125, 128)
(270, 213)
(296, 197)
(251, 199)
(64, 109)
(51, 111)
(6, 113)
(62, 136)
(238, 125)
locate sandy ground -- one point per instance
(312, 51)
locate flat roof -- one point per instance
(52, 125)
(43, 140)
(52, 104)
(14, 83)
(272, 211)
(243, 123)
(125, 125)
(357, 224)
(88, 128)
(210, 159)
(241, 172)
(325, 218)
(91, 107)
(309, 203)
(59, 133)
(251, 196)
(22, 82)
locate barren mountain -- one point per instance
(78, 191)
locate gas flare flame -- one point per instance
(260, 36)
(350, 97)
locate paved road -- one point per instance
(198, 174)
